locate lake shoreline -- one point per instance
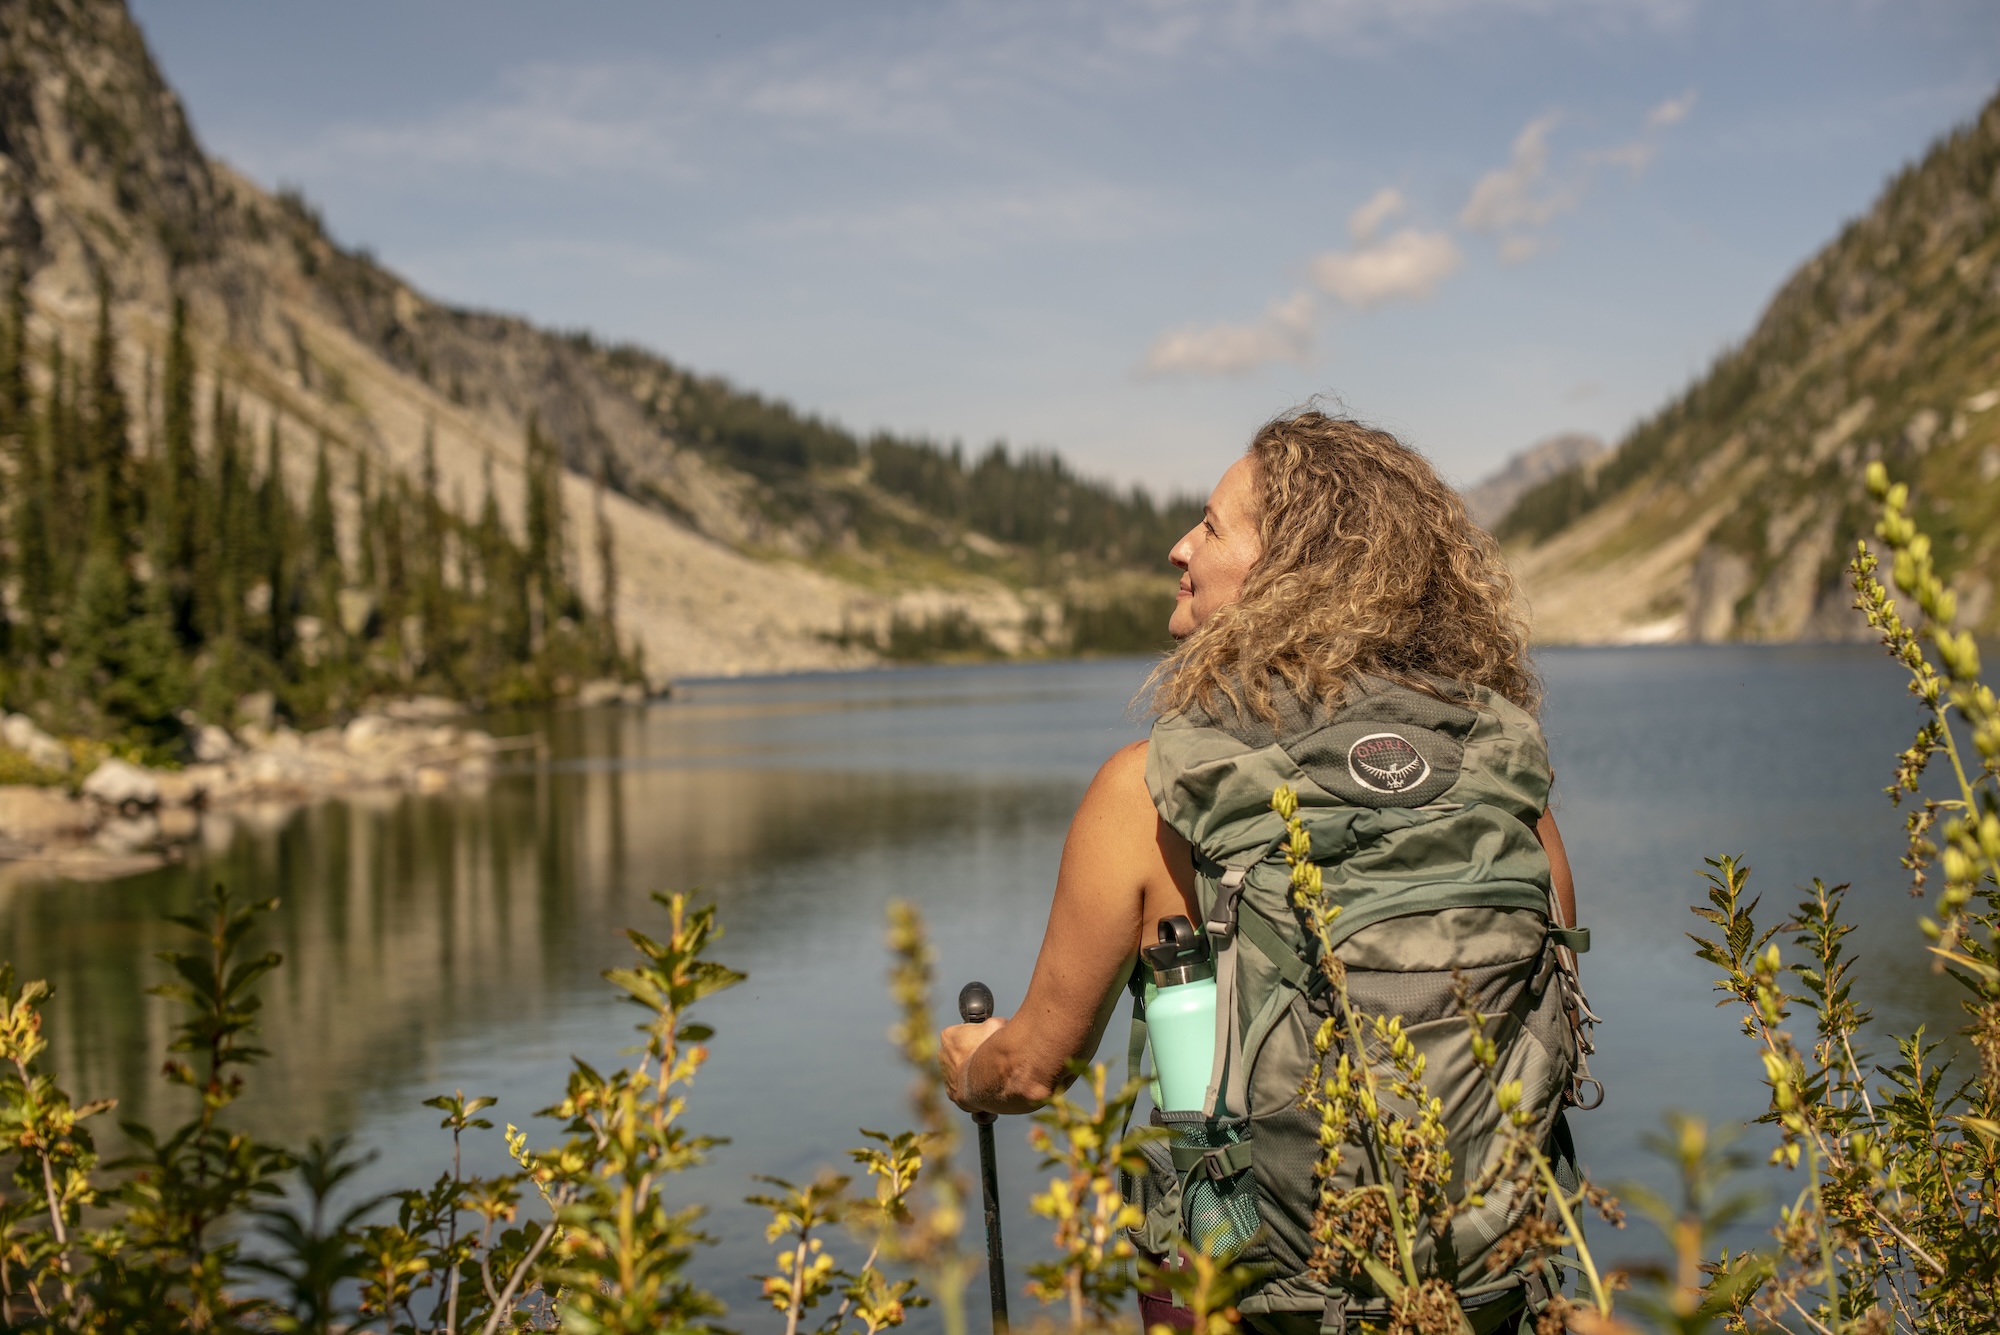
(123, 819)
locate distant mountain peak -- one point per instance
(1493, 496)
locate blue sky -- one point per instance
(1128, 229)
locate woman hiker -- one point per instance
(1339, 621)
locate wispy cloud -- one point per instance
(1382, 208)
(1283, 334)
(1518, 201)
(1671, 112)
(1515, 203)
(1519, 195)
(1405, 266)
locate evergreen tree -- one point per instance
(365, 548)
(323, 546)
(69, 516)
(506, 624)
(34, 561)
(430, 556)
(14, 444)
(178, 482)
(322, 531)
(274, 512)
(232, 565)
(543, 521)
(119, 660)
(607, 580)
(393, 590)
(107, 443)
(14, 360)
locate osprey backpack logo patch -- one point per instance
(1383, 762)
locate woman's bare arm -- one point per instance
(1122, 870)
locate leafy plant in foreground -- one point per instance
(1892, 1228)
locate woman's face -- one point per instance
(1217, 553)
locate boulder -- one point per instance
(369, 734)
(357, 611)
(35, 817)
(259, 709)
(212, 745)
(122, 786)
(182, 788)
(423, 709)
(603, 691)
(19, 731)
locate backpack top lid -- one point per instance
(1422, 802)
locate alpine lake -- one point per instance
(434, 943)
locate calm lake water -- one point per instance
(434, 943)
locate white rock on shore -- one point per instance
(122, 786)
(124, 816)
(20, 732)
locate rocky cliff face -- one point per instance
(100, 175)
(1731, 513)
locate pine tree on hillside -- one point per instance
(274, 511)
(503, 584)
(607, 580)
(119, 660)
(229, 499)
(34, 561)
(322, 531)
(68, 516)
(14, 361)
(428, 577)
(364, 573)
(393, 584)
(177, 484)
(13, 403)
(107, 444)
(543, 520)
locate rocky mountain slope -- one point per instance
(1731, 512)
(1490, 499)
(748, 537)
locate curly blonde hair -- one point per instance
(1370, 567)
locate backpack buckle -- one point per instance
(1221, 925)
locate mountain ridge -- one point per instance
(1730, 513)
(750, 537)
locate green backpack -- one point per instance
(1422, 814)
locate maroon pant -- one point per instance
(1156, 1305)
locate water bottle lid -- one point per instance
(1182, 956)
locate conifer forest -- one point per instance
(160, 567)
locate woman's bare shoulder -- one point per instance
(1125, 771)
(1121, 781)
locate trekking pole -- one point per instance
(975, 1006)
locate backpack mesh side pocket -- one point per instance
(1218, 1190)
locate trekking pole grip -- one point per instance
(975, 1006)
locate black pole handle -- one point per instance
(975, 1006)
(975, 1003)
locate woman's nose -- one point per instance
(1182, 552)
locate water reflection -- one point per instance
(456, 940)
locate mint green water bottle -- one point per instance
(1180, 1016)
